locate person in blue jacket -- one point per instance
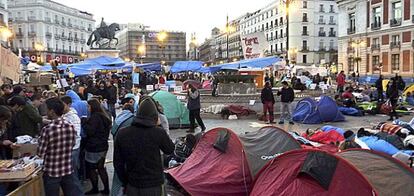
(79, 105)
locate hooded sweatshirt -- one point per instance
(137, 158)
(124, 119)
(80, 106)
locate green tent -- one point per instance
(174, 109)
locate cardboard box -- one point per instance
(25, 150)
(25, 172)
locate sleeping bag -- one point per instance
(395, 140)
(376, 144)
(350, 111)
(326, 137)
(330, 128)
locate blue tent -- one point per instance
(309, 111)
(148, 67)
(183, 66)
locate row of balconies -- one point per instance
(320, 33)
(322, 10)
(276, 37)
(49, 20)
(321, 49)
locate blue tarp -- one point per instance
(105, 61)
(350, 111)
(252, 63)
(309, 111)
(184, 66)
(148, 67)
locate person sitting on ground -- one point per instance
(183, 148)
(338, 100)
(348, 98)
(410, 99)
(349, 141)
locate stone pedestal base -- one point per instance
(102, 52)
(236, 88)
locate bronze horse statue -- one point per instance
(106, 32)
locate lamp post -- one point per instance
(229, 29)
(162, 37)
(194, 43)
(141, 52)
(39, 48)
(6, 33)
(287, 4)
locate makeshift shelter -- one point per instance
(175, 111)
(214, 169)
(184, 66)
(311, 172)
(409, 89)
(387, 175)
(308, 111)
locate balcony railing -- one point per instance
(57, 21)
(57, 37)
(322, 49)
(69, 24)
(75, 26)
(19, 34)
(322, 22)
(82, 41)
(322, 10)
(333, 49)
(70, 39)
(305, 48)
(305, 19)
(376, 25)
(89, 29)
(305, 33)
(32, 34)
(76, 40)
(64, 38)
(331, 22)
(2, 5)
(351, 30)
(332, 34)
(322, 34)
(375, 47)
(48, 19)
(48, 34)
(31, 18)
(395, 45)
(395, 22)
(331, 11)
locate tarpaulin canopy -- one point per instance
(183, 66)
(105, 61)
(146, 66)
(251, 63)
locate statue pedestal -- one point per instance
(93, 53)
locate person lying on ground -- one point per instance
(409, 99)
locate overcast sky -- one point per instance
(190, 16)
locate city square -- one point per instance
(284, 97)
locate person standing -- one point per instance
(340, 81)
(380, 89)
(268, 101)
(55, 147)
(137, 158)
(71, 116)
(287, 96)
(27, 117)
(194, 106)
(112, 98)
(392, 94)
(7, 90)
(96, 128)
(215, 85)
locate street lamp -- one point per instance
(194, 43)
(39, 48)
(357, 44)
(141, 52)
(6, 33)
(162, 37)
(229, 29)
(287, 4)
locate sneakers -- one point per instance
(281, 122)
(271, 122)
(291, 123)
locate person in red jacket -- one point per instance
(340, 80)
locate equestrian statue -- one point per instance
(104, 36)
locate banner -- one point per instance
(254, 45)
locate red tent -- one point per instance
(311, 172)
(209, 171)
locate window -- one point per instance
(321, 8)
(351, 65)
(331, 44)
(375, 60)
(395, 38)
(57, 47)
(375, 41)
(321, 44)
(275, 47)
(271, 48)
(395, 62)
(281, 33)
(321, 19)
(271, 35)
(332, 9)
(377, 16)
(281, 46)
(262, 27)
(321, 29)
(397, 10)
(304, 58)
(305, 44)
(276, 35)
(281, 20)
(276, 22)
(305, 17)
(352, 22)
(70, 48)
(304, 30)
(331, 20)
(271, 24)
(32, 28)
(305, 4)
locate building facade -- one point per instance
(228, 42)
(207, 49)
(312, 30)
(171, 50)
(49, 29)
(3, 20)
(376, 37)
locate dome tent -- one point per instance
(175, 111)
(308, 111)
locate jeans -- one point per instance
(195, 114)
(285, 109)
(340, 89)
(112, 110)
(268, 107)
(70, 185)
(76, 161)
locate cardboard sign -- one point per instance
(178, 89)
(254, 45)
(150, 87)
(181, 97)
(163, 87)
(62, 82)
(135, 78)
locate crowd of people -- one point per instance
(73, 127)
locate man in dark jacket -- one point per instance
(137, 158)
(112, 99)
(287, 97)
(392, 95)
(268, 101)
(27, 117)
(194, 106)
(380, 89)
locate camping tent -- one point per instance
(409, 89)
(311, 172)
(209, 171)
(308, 111)
(177, 114)
(388, 175)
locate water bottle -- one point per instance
(172, 163)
